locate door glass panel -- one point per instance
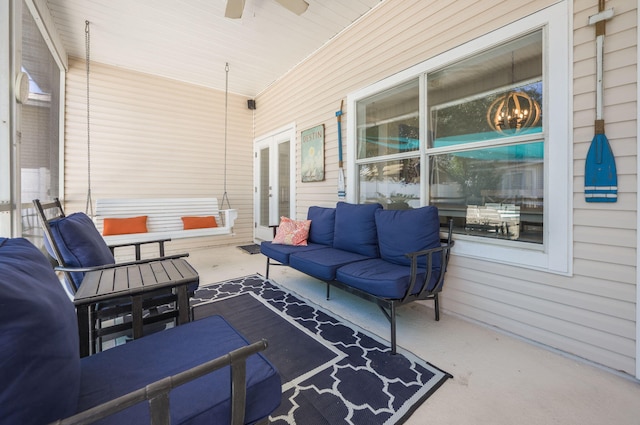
(264, 187)
(284, 179)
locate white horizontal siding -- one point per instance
(590, 314)
(152, 137)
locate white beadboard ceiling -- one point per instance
(191, 40)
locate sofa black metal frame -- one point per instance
(389, 305)
(327, 260)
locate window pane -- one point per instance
(492, 95)
(493, 192)
(388, 122)
(394, 184)
(39, 150)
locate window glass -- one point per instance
(394, 184)
(492, 192)
(495, 94)
(39, 150)
(388, 122)
(492, 121)
(486, 155)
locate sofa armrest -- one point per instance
(426, 282)
(444, 250)
(157, 393)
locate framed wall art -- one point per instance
(312, 166)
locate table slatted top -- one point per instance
(134, 279)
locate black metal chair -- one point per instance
(77, 247)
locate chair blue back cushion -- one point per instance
(403, 231)
(323, 222)
(80, 243)
(39, 358)
(355, 229)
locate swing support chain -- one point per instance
(225, 197)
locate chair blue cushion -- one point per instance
(323, 263)
(323, 222)
(355, 229)
(281, 252)
(127, 367)
(80, 243)
(404, 231)
(382, 278)
(39, 358)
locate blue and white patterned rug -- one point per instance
(332, 371)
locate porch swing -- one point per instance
(121, 221)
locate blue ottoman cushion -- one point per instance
(381, 278)
(323, 221)
(404, 231)
(355, 228)
(80, 243)
(323, 263)
(203, 401)
(39, 358)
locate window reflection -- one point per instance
(493, 192)
(394, 184)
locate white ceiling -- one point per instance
(191, 40)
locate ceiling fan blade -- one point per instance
(234, 9)
(296, 6)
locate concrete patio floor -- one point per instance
(498, 378)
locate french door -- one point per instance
(274, 181)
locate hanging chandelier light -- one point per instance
(514, 111)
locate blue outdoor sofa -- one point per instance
(390, 257)
(205, 371)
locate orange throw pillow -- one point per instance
(199, 222)
(124, 226)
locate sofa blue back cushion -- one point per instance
(355, 229)
(323, 222)
(39, 358)
(80, 243)
(403, 231)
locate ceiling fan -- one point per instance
(235, 7)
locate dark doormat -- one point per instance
(251, 249)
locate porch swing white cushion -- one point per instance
(164, 217)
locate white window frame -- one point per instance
(555, 254)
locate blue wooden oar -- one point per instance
(600, 177)
(341, 189)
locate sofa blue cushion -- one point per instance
(80, 243)
(39, 357)
(323, 263)
(355, 228)
(128, 367)
(382, 278)
(281, 252)
(323, 222)
(404, 231)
